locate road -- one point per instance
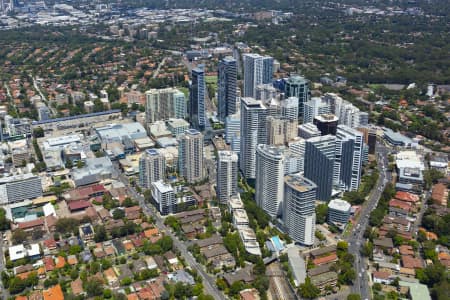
(159, 67)
(356, 239)
(38, 89)
(3, 292)
(209, 282)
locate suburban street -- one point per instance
(209, 282)
(36, 87)
(4, 292)
(356, 240)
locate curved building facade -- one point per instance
(269, 178)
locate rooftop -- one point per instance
(339, 204)
(299, 183)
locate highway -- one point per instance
(209, 282)
(356, 239)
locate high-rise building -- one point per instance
(267, 69)
(163, 104)
(227, 176)
(265, 92)
(299, 213)
(289, 108)
(314, 107)
(152, 167)
(349, 158)
(233, 131)
(197, 112)
(297, 86)
(253, 132)
(164, 197)
(347, 113)
(297, 148)
(319, 164)
(190, 155)
(308, 130)
(253, 73)
(269, 178)
(227, 81)
(280, 130)
(327, 124)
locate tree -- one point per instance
(321, 213)
(353, 297)
(66, 225)
(38, 132)
(308, 290)
(4, 222)
(236, 287)
(94, 287)
(19, 236)
(118, 214)
(100, 234)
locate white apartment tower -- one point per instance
(253, 132)
(269, 178)
(227, 176)
(190, 155)
(299, 213)
(349, 158)
(152, 167)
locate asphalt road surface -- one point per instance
(356, 239)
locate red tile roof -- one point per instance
(401, 204)
(31, 224)
(440, 194)
(49, 264)
(78, 204)
(411, 262)
(54, 293)
(381, 275)
(325, 259)
(50, 244)
(407, 197)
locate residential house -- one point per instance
(219, 256)
(133, 213)
(171, 258)
(111, 277)
(53, 293)
(382, 277)
(77, 287)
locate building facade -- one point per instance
(297, 86)
(233, 132)
(319, 164)
(227, 176)
(253, 132)
(164, 197)
(299, 213)
(163, 104)
(349, 158)
(227, 82)
(197, 114)
(190, 155)
(338, 212)
(269, 178)
(152, 167)
(253, 73)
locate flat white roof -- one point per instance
(340, 205)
